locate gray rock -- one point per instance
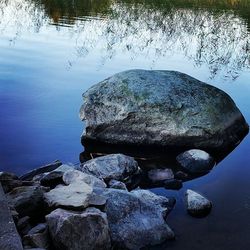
(181, 175)
(136, 218)
(27, 200)
(196, 161)
(114, 166)
(164, 108)
(79, 230)
(38, 237)
(158, 175)
(74, 196)
(197, 205)
(76, 176)
(43, 169)
(52, 179)
(117, 184)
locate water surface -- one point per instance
(51, 51)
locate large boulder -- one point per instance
(115, 166)
(137, 218)
(161, 108)
(79, 230)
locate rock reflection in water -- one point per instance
(217, 38)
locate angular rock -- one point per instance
(52, 179)
(38, 237)
(161, 108)
(43, 169)
(79, 230)
(23, 225)
(136, 218)
(74, 196)
(114, 166)
(27, 200)
(197, 205)
(72, 176)
(196, 161)
(117, 184)
(158, 175)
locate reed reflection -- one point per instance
(216, 35)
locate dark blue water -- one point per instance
(51, 51)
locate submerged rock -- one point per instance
(196, 161)
(137, 218)
(197, 205)
(161, 108)
(115, 166)
(173, 184)
(159, 175)
(79, 230)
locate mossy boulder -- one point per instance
(161, 108)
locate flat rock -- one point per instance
(137, 218)
(79, 230)
(72, 176)
(113, 166)
(196, 161)
(158, 175)
(197, 205)
(161, 108)
(27, 200)
(75, 196)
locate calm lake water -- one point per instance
(51, 51)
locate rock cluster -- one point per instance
(88, 207)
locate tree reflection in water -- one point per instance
(206, 32)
